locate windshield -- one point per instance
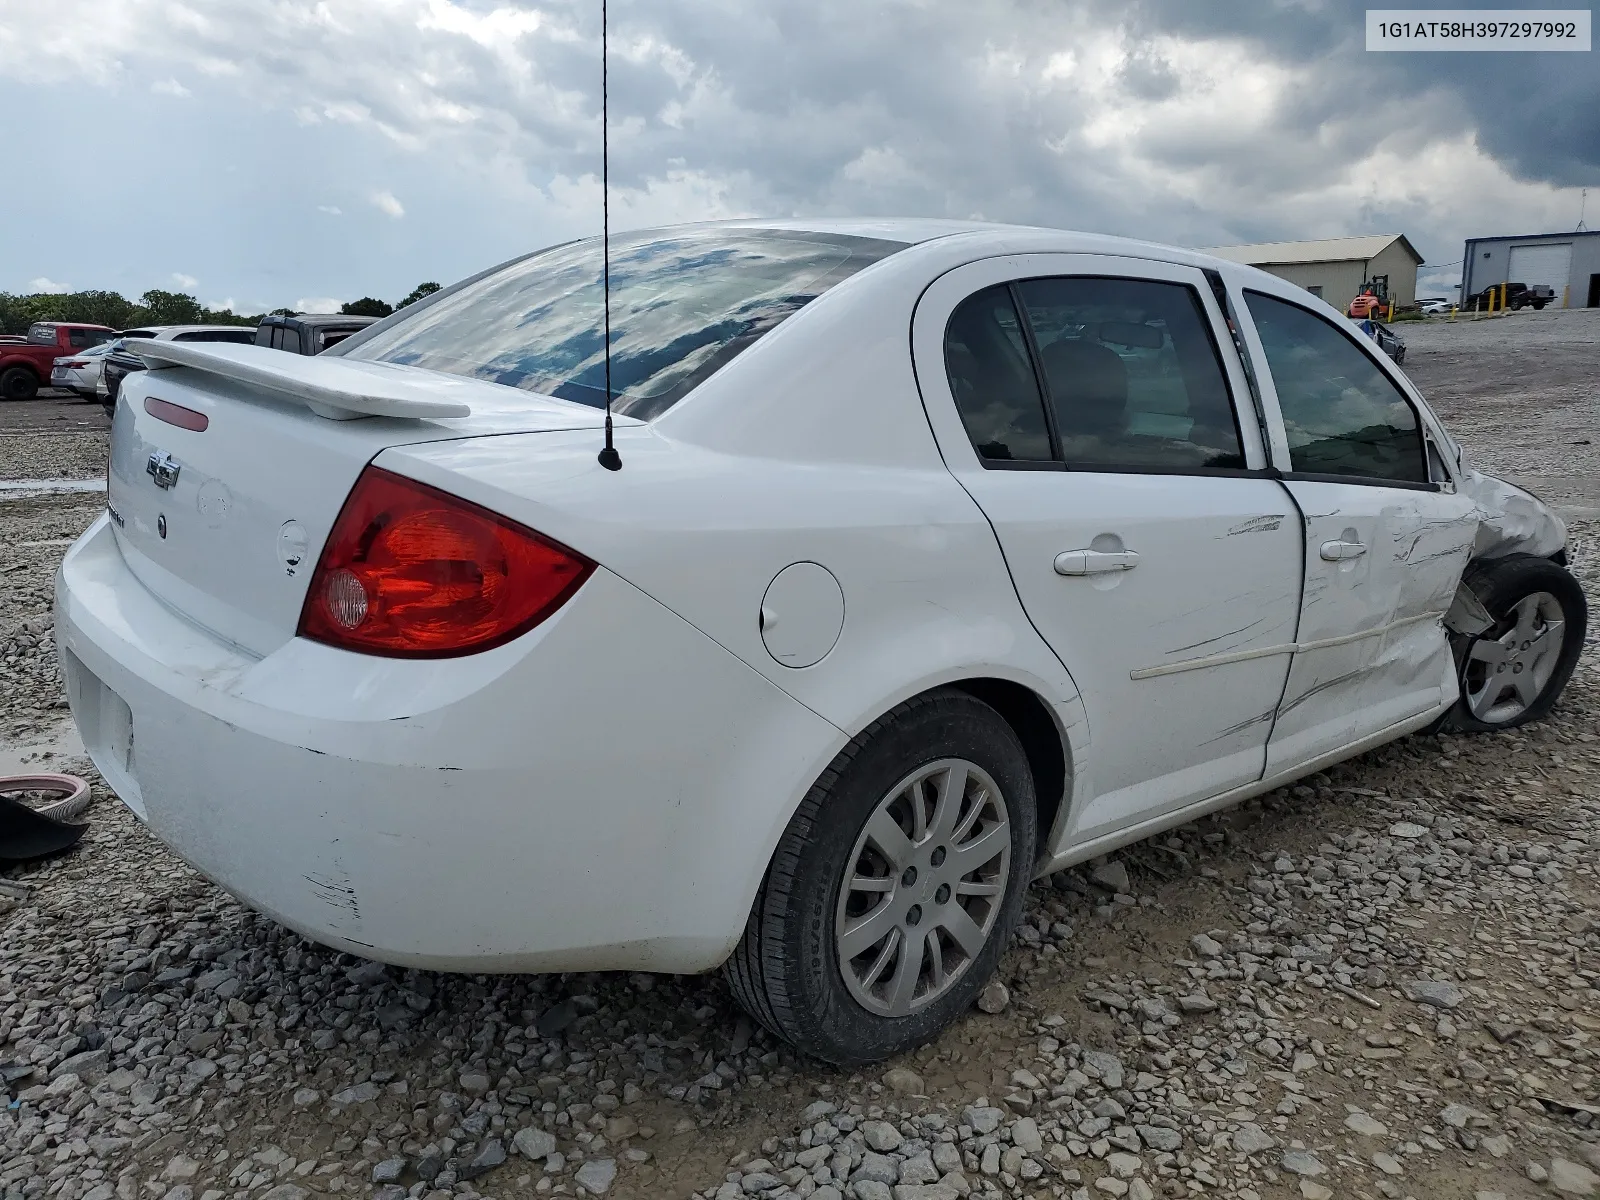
(682, 306)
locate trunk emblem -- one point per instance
(163, 468)
(161, 525)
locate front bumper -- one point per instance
(603, 793)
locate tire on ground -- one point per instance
(1500, 583)
(786, 971)
(18, 383)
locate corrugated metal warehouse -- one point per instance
(1336, 269)
(1569, 263)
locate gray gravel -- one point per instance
(1379, 982)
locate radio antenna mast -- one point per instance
(609, 458)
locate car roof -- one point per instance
(167, 332)
(980, 238)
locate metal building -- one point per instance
(1336, 269)
(1568, 262)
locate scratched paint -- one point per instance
(1263, 524)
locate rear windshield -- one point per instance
(243, 335)
(682, 306)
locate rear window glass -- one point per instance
(682, 307)
(41, 334)
(242, 335)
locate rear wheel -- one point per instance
(896, 885)
(1515, 671)
(18, 383)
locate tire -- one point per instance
(1538, 305)
(787, 970)
(1520, 592)
(18, 383)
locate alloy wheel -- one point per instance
(923, 887)
(1506, 672)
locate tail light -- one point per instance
(413, 572)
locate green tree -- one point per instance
(367, 306)
(418, 292)
(172, 308)
(99, 308)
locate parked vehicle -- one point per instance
(308, 333)
(1515, 296)
(993, 556)
(1436, 308)
(80, 372)
(1390, 342)
(122, 359)
(26, 364)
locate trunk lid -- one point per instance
(225, 523)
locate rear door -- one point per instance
(1087, 405)
(1386, 535)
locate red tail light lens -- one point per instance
(413, 572)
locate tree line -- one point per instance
(157, 307)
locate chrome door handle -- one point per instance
(1341, 551)
(1095, 562)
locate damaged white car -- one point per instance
(941, 556)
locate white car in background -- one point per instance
(1435, 307)
(80, 371)
(941, 556)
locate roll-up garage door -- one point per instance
(1550, 264)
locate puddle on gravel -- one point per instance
(45, 487)
(47, 750)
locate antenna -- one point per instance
(1583, 205)
(609, 458)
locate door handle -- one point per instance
(1095, 562)
(1341, 551)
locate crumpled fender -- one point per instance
(1511, 520)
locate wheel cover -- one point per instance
(923, 887)
(1507, 670)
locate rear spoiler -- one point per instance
(336, 388)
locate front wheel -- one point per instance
(1515, 671)
(896, 885)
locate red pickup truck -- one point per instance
(25, 362)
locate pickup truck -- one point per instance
(25, 364)
(1515, 296)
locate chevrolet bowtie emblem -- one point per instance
(162, 468)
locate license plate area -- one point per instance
(105, 722)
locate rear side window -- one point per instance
(682, 307)
(1095, 373)
(1132, 374)
(1342, 414)
(264, 335)
(992, 378)
(80, 337)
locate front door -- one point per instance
(1386, 542)
(1086, 405)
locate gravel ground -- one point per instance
(1522, 391)
(1379, 982)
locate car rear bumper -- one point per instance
(601, 794)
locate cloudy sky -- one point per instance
(271, 152)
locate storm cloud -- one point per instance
(249, 141)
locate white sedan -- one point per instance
(80, 371)
(941, 557)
